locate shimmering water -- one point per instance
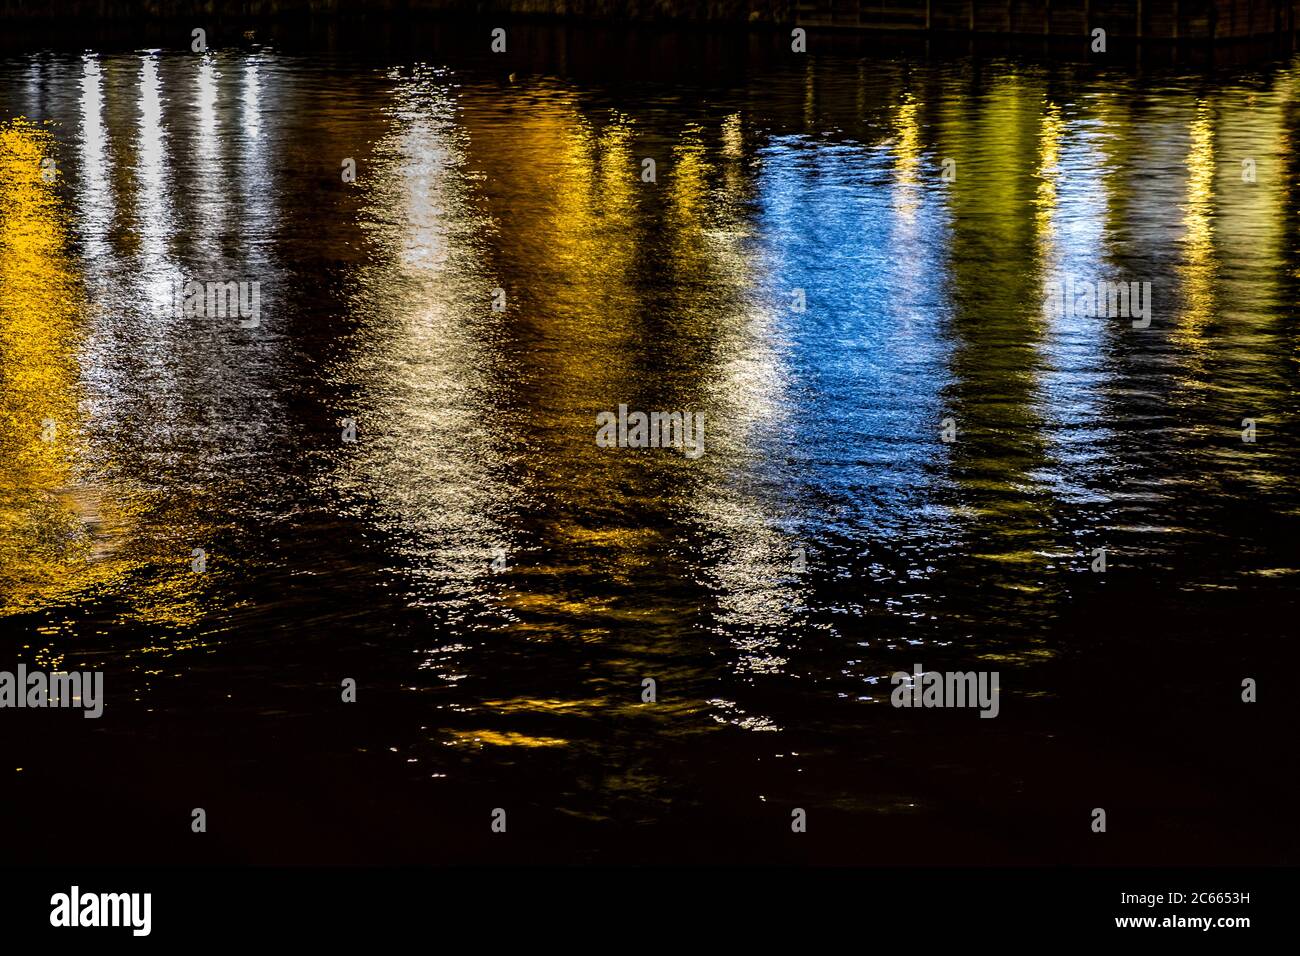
(520, 686)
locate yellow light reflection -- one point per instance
(1198, 240)
(1049, 168)
(44, 523)
(62, 534)
(907, 158)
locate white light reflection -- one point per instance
(428, 470)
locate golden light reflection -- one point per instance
(565, 197)
(64, 532)
(907, 158)
(1231, 328)
(61, 535)
(508, 738)
(48, 527)
(572, 214)
(998, 350)
(1199, 265)
(733, 137)
(1050, 132)
(688, 189)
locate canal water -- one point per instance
(388, 473)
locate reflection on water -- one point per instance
(804, 273)
(50, 524)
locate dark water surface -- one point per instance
(520, 688)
